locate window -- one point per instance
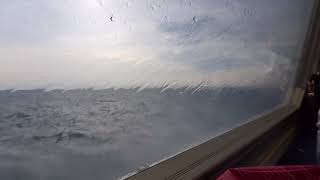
(99, 89)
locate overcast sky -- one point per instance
(129, 43)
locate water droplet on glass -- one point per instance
(195, 19)
(165, 19)
(127, 4)
(153, 7)
(100, 3)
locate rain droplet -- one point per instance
(100, 3)
(127, 4)
(195, 19)
(152, 7)
(165, 18)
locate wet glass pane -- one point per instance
(98, 89)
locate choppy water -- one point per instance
(104, 134)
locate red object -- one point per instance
(273, 173)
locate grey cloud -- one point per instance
(31, 21)
(259, 23)
(195, 32)
(224, 35)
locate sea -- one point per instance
(104, 134)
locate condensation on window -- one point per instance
(98, 89)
